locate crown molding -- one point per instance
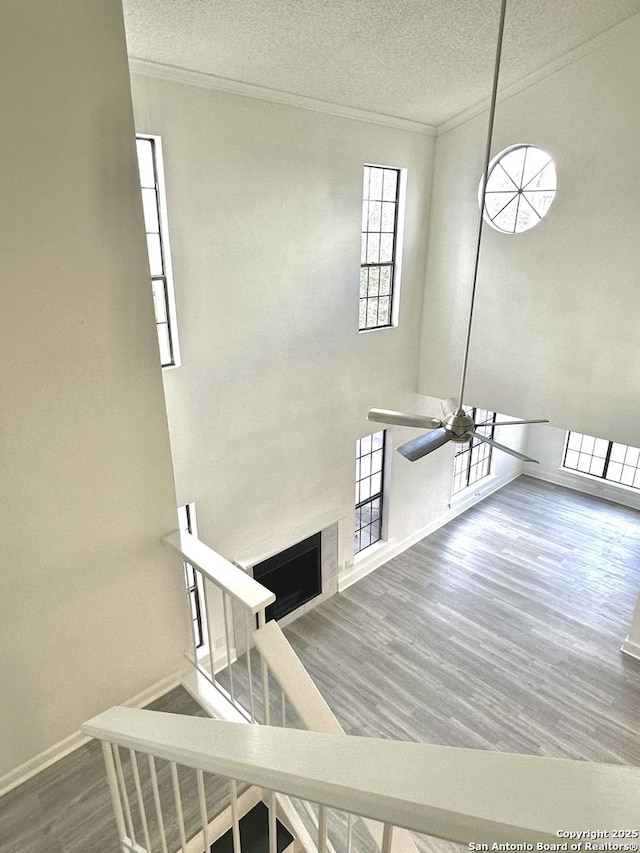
(574, 55)
(247, 90)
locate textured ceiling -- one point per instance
(425, 60)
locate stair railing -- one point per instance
(226, 631)
(464, 795)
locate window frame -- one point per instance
(519, 190)
(398, 241)
(379, 495)
(486, 461)
(607, 461)
(165, 250)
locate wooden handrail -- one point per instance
(220, 571)
(462, 795)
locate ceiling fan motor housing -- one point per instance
(459, 425)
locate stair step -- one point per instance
(254, 834)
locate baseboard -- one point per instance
(390, 550)
(74, 741)
(597, 489)
(630, 648)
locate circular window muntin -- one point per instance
(508, 185)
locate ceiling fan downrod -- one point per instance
(487, 160)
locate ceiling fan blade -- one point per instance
(535, 421)
(502, 447)
(387, 416)
(449, 405)
(423, 444)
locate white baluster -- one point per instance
(156, 800)
(227, 638)
(387, 834)
(322, 829)
(234, 816)
(138, 787)
(265, 675)
(273, 830)
(125, 797)
(205, 602)
(112, 780)
(178, 801)
(202, 801)
(349, 831)
(248, 659)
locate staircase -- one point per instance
(306, 788)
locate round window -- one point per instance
(520, 188)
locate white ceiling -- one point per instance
(424, 60)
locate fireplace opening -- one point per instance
(294, 575)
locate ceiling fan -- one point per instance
(456, 425)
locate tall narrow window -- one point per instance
(369, 485)
(380, 248)
(608, 460)
(155, 222)
(473, 461)
(193, 579)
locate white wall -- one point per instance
(89, 604)
(555, 332)
(264, 213)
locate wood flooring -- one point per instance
(500, 631)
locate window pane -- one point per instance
(388, 216)
(384, 309)
(584, 460)
(385, 280)
(374, 281)
(165, 344)
(390, 185)
(618, 452)
(373, 248)
(535, 162)
(597, 466)
(365, 466)
(375, 185)
(364, 280)
(375, 213)
(372, 313)
(150, 208)
(571, 460)
(600, 447)
(506, 219)
(574, 440)
(614, 472)
(155, 254)
(145, 162)
(386, 247)
(159, 300)
(377, 440)
(627, 475)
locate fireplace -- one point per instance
(294, 575)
